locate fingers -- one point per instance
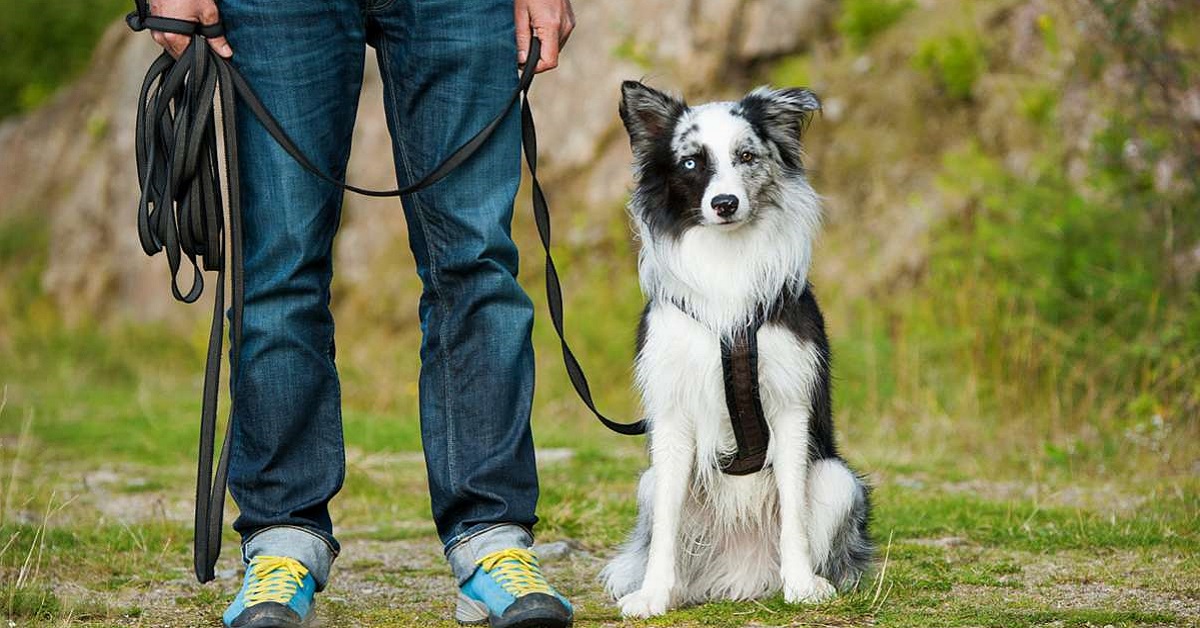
(203, 11)
(523, 34)
(210, 15)
(173, 43)
(552, 22)
(567, 26)
(220, 46)
(550, 48)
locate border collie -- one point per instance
(726, 219)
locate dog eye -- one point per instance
(689, 164)
(747, 156)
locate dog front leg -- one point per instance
(800, 581)
(672, 450)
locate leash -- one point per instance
(180, 213)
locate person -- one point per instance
(447, 67)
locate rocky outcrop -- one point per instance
(72, 161)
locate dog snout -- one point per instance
(725, 205)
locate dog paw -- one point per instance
(644, 603)
(809, 591)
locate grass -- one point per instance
(97, 531)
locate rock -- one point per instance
(228, 574)
(72, 161)
(557, 550)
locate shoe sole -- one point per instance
(469, 612)
(271, 617)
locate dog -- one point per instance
(726, 219)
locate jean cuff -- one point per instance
(294, 542)
(465, 553)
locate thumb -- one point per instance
(221, 47)
(210, 15)
(523, 34)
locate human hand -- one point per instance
(552, 20)
(204, 11)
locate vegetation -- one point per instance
(954, 62)
(45, 44)
(1011, 276)
(863, 19)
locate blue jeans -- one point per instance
(447, 66)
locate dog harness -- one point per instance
(739, 369)
(743, 399)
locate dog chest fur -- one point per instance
(679, 373)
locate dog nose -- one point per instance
(725, 204)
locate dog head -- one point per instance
(717, 165)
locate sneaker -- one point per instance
(508, 590)
(277, 592)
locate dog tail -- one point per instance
(840, 507)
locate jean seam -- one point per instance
(431, 256)
(466, 537)
(333, 552)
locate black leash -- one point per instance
(180, 212)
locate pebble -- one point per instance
(556, 550)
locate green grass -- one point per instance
(961, 549)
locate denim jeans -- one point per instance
(447, 67)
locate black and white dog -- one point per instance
(727, 220)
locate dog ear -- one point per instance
(782, 115)
(647, 112)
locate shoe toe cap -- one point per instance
(535, 610)
(267, 615)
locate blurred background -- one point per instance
(1010, 271)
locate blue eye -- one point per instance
(689, 164)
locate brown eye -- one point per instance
(746, 156)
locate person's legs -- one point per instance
(304, 59)
(449, 66)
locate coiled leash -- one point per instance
(180, 213)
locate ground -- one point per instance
(97, 470)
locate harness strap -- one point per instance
(180, 212)
(739, 368)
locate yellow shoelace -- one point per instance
(517, 571)
(276, 579)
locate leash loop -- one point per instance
(181, 213)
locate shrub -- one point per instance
(44, 44)
(861, 20)
(955, 63)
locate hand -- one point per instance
(204, 11)
(553, 20)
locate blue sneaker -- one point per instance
(276, 593)
(508, 590)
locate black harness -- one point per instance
(180, 212)
(739, 369)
